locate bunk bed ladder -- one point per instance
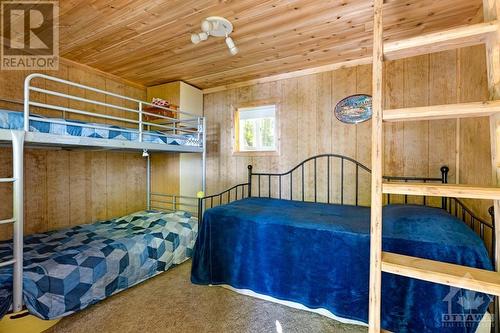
(423, 269)
(17, 218)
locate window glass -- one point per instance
(257, 128)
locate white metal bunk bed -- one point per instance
(169, 130)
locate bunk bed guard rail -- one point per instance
(135, 118)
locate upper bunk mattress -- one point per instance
(15, 120)
(318, 255)
(67, 270)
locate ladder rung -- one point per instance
(439, 41)
(443, 190)
(12, 220)
(7, 180)
(7, 263)
(477, 109)
(439, 272)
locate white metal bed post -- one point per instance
(141, 129)
(18, 200)
(148, 181)
(18, 214)
(204, 158)
(27, 82)
(148, 160)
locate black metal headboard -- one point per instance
(343, 163)
(345, 167)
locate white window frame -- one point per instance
(237, 134)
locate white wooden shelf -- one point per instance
(443, 190)
(447, 111)
(439, 272)
(440, 41)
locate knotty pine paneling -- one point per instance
(144, 42)
(308, 125)
(475, 154)
(64, 188)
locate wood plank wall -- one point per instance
(308, 126)
(69, 187)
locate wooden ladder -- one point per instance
(430, 270)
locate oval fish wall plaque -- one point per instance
(354, 109)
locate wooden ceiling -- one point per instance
(148, 41)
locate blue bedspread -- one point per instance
(318, 255)
(15, 120)
(70, 269)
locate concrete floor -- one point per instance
(169, 302)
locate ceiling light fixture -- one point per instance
(217, 27)
(232, 47)
(196, 38)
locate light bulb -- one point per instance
(206, 26)
(232, 47)
(145, 153)
(203, 35)
(230, 42)
(195, 38)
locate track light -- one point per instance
(232, 47)
(196, 38)
(203, 35)
(217, 27)
(207, 26)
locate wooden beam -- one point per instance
(377, 172)
(289, 75)
(462, 110)
(440, 41)
(491, 12)
(443, 190)
(439, 272)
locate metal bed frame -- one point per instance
(251, 188)
(184, 123)
(454, 206)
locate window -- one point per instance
(256, 129)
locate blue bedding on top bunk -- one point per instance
(15, 120)
(70, 269)
(318, 255)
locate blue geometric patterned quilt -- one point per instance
(15, 120)
(68, 270)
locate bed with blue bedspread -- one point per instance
(317, 255)
(15, 120)
(68, 270)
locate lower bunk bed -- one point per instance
(316, 255)
(67, 270)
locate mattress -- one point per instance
(15, 120)
(68, 270)
(317, 255)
